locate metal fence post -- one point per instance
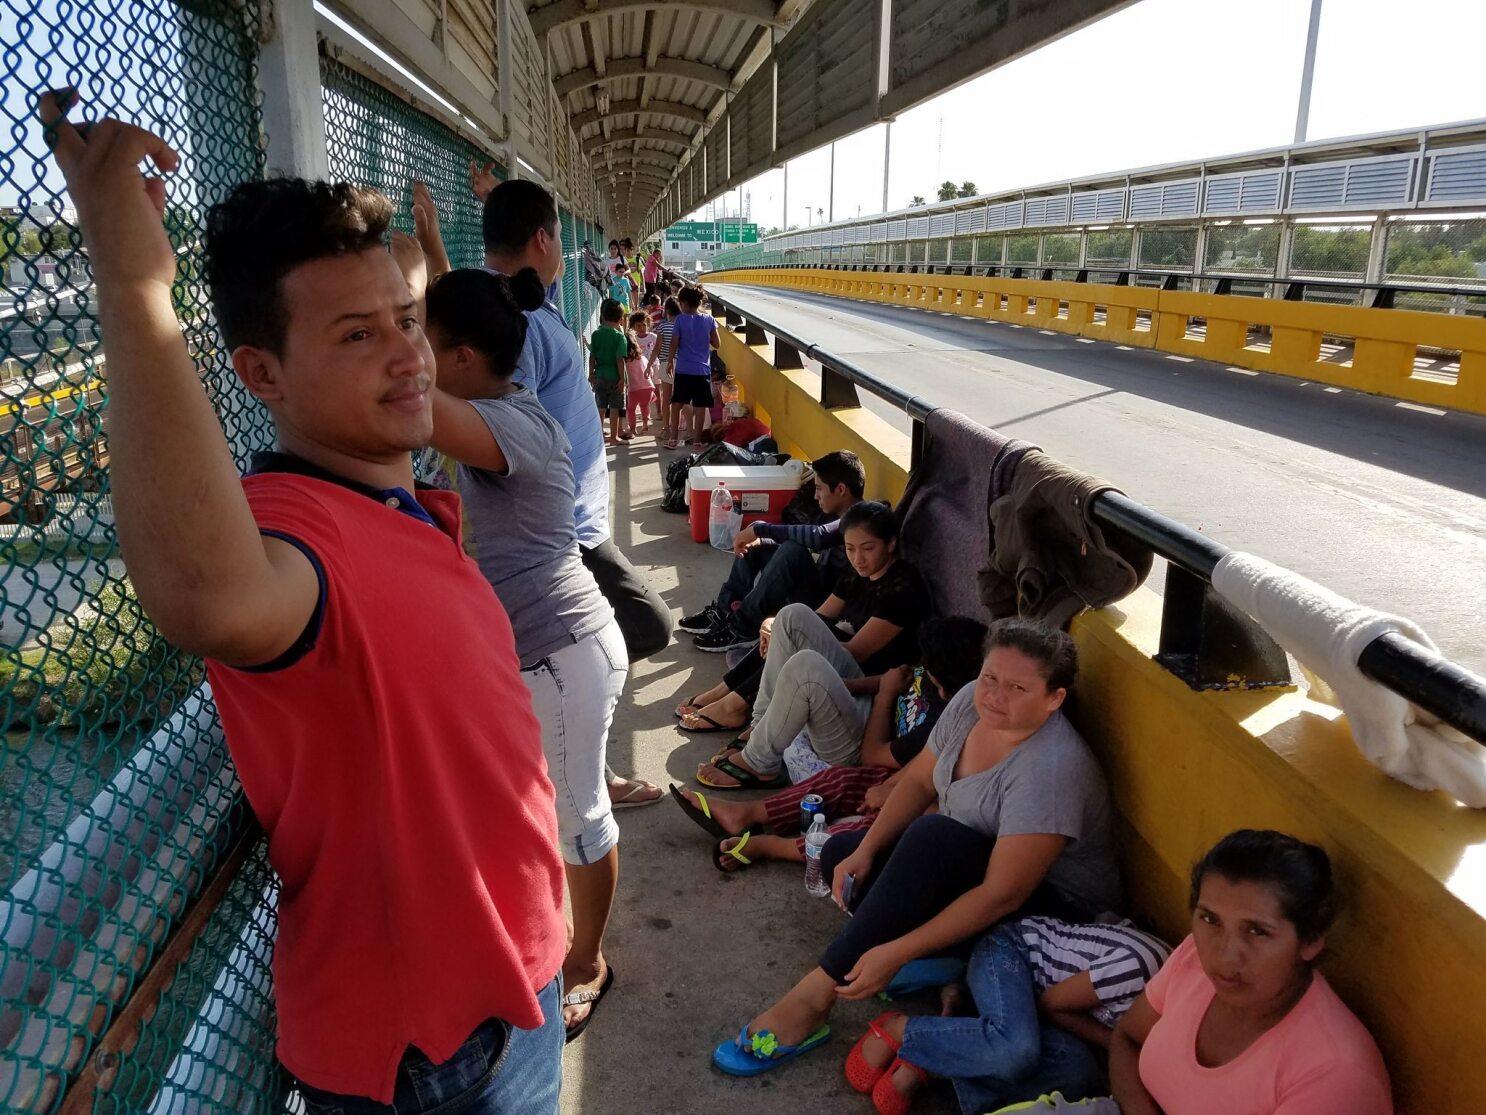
(289, 82)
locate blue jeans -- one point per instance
(499, 1070)
(1006, 1055)
(766, 579)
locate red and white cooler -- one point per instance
(763, 490)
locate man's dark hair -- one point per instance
(261, 231)
(515, 211)
(1298, 873)
(873, 516)
(1053, 649)
(842, 467)
(950, 649)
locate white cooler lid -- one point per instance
(743, 478)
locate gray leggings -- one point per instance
(803, 689)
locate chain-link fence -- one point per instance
(119, 808)
(117, 802)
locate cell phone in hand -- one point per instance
(847, 885)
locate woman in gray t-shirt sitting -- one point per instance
(516, 480)
(1023, 827)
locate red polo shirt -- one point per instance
(396, 766)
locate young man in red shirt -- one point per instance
(365, 674)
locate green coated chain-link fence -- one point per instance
(116, 798)
(375, 138)
(118, 805)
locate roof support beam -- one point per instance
(663, 66)
(627, 135)
(674, 109)
(553, 16)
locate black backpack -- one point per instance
(674, 499)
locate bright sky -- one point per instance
(1161, 81)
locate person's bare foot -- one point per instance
(702, 700)
(734, 816)
(953, 999)
(793, 1019)
(585, 977)
(709, 775)
(730, 711)
(761, 846)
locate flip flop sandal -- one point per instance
(578, 998)
(742, 779)
(736, 851)
(692, 705)
(701, 814)
(859, 1074)
(885, 1095)
(714, 725)
(761, 1052)
(729, 751)
(641, 788)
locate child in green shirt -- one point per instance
(608, 349)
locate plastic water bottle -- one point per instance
(720, 519)
(815, 840)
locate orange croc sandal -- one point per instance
(859, 1074)
(885, 1095)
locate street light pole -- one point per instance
(1308, 74)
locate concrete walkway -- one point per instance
(696, 953)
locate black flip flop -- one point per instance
(715, 726)
(736, 851)
(702, 816)
(692, 704)
(578, 998)
(744, 779)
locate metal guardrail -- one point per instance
(1384, 293)
(1206, 641)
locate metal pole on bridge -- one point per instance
(887, 151)
(1308, 74)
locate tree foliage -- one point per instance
(967, 189)
(947, 190)
(917, 199)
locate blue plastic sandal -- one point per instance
(924, 973)
(752, 1056)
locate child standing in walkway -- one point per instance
(619, 286)
(608, 353)
(692, 341)
(665, 374)
(637, 366)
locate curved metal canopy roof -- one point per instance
(641, 79)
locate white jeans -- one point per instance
(573, 692)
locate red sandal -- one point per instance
(859, 1074)
(885, 1095)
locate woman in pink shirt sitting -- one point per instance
(1239, 1021)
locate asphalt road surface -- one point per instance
(1382, 501)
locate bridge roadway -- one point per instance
(1381, 501)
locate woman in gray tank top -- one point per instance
(516, 480)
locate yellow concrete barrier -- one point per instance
(1287, 336)
(1409, 950)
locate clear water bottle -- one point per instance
(720, 520)
(815, 840)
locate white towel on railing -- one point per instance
(1327, 632)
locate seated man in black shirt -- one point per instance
(867, 625)
(905, 705)
(776, 564)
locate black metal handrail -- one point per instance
(1448, 690)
